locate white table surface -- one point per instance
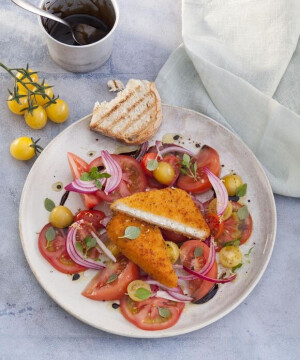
(265, 326)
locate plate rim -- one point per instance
(162, 333)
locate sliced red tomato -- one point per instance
(146, 158)
(234, 228)
(146, 314)
(154, 184)
(198, 288)
(207, 157)
(172, 236)
(133, 180)
(216, 226)
(55, 252)
(93, 217)
(101, 287)
(79, 166)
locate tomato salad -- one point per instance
(72, 244)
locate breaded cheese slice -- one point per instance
(148, 250)
(170, 208)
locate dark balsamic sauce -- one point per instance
(64, 198)
(209, 296)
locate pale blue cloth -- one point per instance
(237, 55)
(266, 326)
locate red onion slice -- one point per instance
(114, 169)
(75, 254)
(106, 220)
(106, 251)
(77, 186)
(143, 150)
(173, 296)
(198, 203)
(220, 190)
(204, 277)
(154, 282)
(176, 148)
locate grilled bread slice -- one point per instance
(170, 208)
(133, 116)
(148, 250)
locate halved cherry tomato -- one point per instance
(147, 314)
(55, 252)
(198, 288)
(78, 166)
(146, 158)
(207, 157)
(154, 184)
(98, 288)
(234, 228)
(176, 164)
(172, 236)
(93, 217)
(215, 224)
(133, 180)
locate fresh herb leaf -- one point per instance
(186, 159)
(249, 252)
(90, 242)
(85, 176)
(232, 243)
(49, 204)
(98, 184)
(236, 267)
(183, 171)
(79, 247)
(243, 212)
(164, 312)
(152, 165)
(198, 252)
(142, 293)
(131, 232)
(195, 166)
(241, 190)
(50, 234)
(112, 278)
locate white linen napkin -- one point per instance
(239, 66)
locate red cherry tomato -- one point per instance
(98, 288)
(207, 157)
(216, 226)
(93, 217)
(172, 236)
(147, 157)
(198, 288)
(55, 252)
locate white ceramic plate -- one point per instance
(52, 166)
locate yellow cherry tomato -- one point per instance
(164, 173)
(173, 251)
(37, 119)
(133, 290)
(22, 148)
(58, 112)
(232, 182)
(42, 100)
(230, 256)
(212, 208)
(27, 80)
(61, 217)
(113, 248)
(15, 107)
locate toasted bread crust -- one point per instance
(133, 116)
(148, 250)
(173, 206)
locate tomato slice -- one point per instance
(93, 217)
(133, 180)
(198, 288)
(146, 158)
(146, 314)
(79, 166)
(215, 224)
(234, 228)
(56, 254)
(99, 289)
(207, 157)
